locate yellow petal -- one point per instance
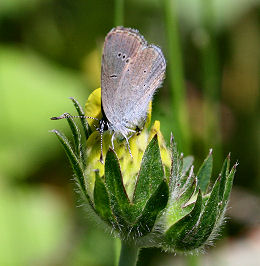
(165, 153)
(93, 107)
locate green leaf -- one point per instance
(175, 166)
(76, 137)
(204, 173)
(201, 232)
(179, 182)
(86, 127)
(167, 171)
(78, 171)
(150, 176)
(188, 191)
(228, 186)
(181, 178)
(119, 200)
(101, 200)
(187, 163)
(175, 234)
(224, 174)
(153, 206)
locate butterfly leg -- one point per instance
(131, 135)
(112, 140)
(128, 146)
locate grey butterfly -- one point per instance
(131, 71)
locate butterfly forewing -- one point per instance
(131, 72)
(120, 45)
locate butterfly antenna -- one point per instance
(101, 147)
(66, 115)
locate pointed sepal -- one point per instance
(75, 164)
(150, 176)
(119, 201)
(101, 201)
(204, 173)
(86, 127)
(174, 235)
(154, 205)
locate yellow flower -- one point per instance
(138, 143)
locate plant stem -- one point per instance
(117, 247)
(119, 13)
(128, 255)
(192, 260)
(175, 73)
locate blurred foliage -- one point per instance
(34, 227)
(31, 91)
(51, 50)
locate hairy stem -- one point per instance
(128, 255)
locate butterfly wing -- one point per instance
(131, 72)
(140, 80)
(120, 45)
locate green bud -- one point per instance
(154, 201)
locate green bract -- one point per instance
(160, 205)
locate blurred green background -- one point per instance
(51, 50)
